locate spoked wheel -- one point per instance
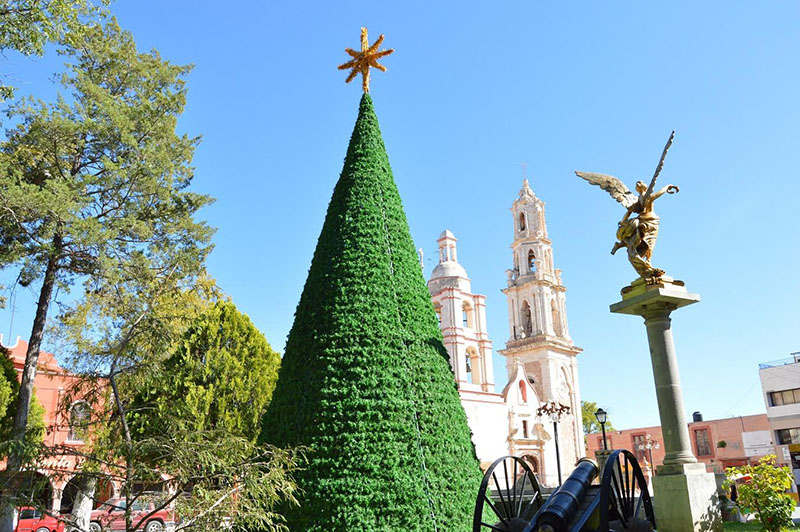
(508, 497)
(625, 503)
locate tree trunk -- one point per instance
(126, 488)
(84, 502)
(26, 386)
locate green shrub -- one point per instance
(762, 492)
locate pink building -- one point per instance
(718, 443)
(67, 429)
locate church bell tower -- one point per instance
(462, 319)
(539, 337)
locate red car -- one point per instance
(111, 516)
(29, 519)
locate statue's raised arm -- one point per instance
(639, 233)
(660, 164)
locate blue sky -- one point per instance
(473, 90)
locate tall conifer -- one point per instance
(365, 384)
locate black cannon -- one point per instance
(509, 499)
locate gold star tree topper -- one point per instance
(363, 60)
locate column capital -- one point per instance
(658, 310)
(652, 301)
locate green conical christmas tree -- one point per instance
(365, 384)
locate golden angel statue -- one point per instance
(636, 233)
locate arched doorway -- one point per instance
(32, 488)
(103, 491)
(533, 462)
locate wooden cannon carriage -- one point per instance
(509, 499)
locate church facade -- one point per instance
(541, 358)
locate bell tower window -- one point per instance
(467, 317)
(531, 261)
(522, 224)
(474, 371)
(556, 318)
(527, 322)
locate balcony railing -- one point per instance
(794, 359)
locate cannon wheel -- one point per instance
(507, 478)
(623, 494)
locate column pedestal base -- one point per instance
(686, 499)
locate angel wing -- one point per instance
(612, 185)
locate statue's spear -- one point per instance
(660, 164)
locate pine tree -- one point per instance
(220, 377)
(365, 385)
(93, 188)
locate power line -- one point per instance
(740, 399)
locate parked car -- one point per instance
(110, 516)
(30, 519)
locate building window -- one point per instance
(467, 315)
(600, 442)
(531, 261)
(527, 323)
(557, 329)
(702, 441)
(784, 397)
(438, 311)
(79, 422)
(525, 433)
(522, 224)
(474, 375)
(787, 436)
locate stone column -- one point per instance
(685, 494)
(674, 428)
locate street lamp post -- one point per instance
(648, 445)
(555, 411)
(602, 417)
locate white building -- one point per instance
(540, 356)
(780, 385)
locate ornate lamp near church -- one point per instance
(648, 446)
(555, 411)
(602, 417)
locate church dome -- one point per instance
(447, 234)
(448, 268)
(448, 258)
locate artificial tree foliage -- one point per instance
(365, 383)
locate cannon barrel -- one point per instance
(564, 503)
